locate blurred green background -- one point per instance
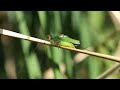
(21, 59)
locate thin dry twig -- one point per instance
(33, 39)
(109, 71)
(113, 68)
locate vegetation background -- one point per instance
(21, 59)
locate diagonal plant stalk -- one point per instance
(33, 39)
(113, 68)
(115, 15)
(109, 71)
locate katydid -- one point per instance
(63, 40)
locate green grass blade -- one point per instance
(69, 65)
(32, 63)
(43, 19)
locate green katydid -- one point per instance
(63, 40)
